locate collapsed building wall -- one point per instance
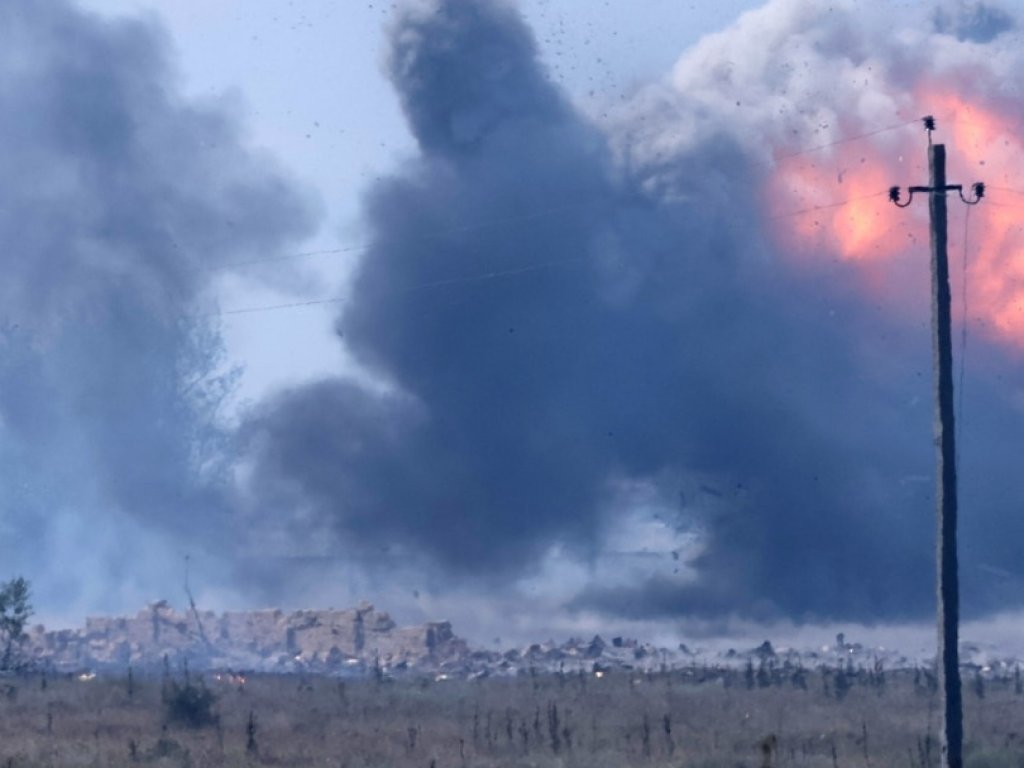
(325, 640)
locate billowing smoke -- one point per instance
(119, 204)
(574, 321)
(564, 307)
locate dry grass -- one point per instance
(623, 719)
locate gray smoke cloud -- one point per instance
(570, 321)
(976, 22)
(121, 202)
(667, 339)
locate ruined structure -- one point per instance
(359, 640)
(363, 641)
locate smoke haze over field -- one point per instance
(619, 357)
(119, 203)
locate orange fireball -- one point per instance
(831, 203)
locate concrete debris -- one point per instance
(363, 642)
(356, 641)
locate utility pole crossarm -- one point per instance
(978, 188)
(947, 577)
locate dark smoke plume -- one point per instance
(120, 202)
(559, 311)
(663, 340)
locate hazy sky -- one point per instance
(309, 78)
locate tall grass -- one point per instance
(698, 717)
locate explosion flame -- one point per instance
(842, 191)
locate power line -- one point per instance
(553, 211)
(273, 307)
(489, 275)
(848, 139)
(963, 332)
(548, 212)
(825, 207)
(1008, 189)
(409, 289)
(495, 274)
(303, 254)
(366, 245)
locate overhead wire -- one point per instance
(366, 245)
(963, 333)
(494, 274)
(1005, 189)
(274, 307)
(848, 139)
(826, 206)
(362, 246)
(417, 287)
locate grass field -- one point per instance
(693, 718)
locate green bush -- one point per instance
(190, 705)
(15, 611)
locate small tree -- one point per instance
(15, 611)
(191, 704)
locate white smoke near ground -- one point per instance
(121, 204)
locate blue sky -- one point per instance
(308, 78)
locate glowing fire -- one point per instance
(856, 230)
(230, 678)
(840, 192)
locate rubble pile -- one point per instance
(357, 640)
(363, 641)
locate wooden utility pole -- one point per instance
(947, 581)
